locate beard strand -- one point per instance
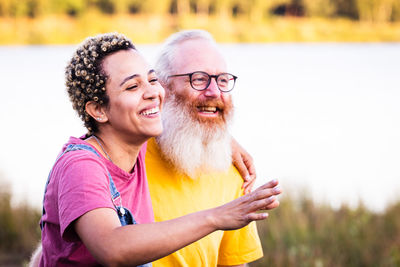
(193, 146)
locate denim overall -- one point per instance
(124, 214)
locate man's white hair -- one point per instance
(163, 65)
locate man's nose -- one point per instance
(212, 90)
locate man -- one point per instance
(189, 167)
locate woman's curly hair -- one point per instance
(84, 74)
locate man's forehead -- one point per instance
(198, 55)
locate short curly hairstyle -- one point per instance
(84, 74)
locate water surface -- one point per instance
(324, 118)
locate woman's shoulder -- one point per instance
(80, 146)
(80, 155)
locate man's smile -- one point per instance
(208, 109)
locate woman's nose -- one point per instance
(151, 92)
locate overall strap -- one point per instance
(73, 147)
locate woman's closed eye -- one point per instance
(132, 87)
(153, 80)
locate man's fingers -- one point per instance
(248, 161)
(243, 162)
(248, 186)
(241, 167)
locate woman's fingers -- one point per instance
(264, 193)
(257, 216)
(269, 184)
(245, 209)
(251, 205)
(272, 205)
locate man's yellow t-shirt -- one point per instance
(174, 194)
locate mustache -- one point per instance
(180, 100)
(209, 103)
(225, 108)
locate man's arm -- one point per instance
(244, 164)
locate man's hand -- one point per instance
(244, 164)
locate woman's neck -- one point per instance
(121, 153)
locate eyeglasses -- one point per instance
(200, 80)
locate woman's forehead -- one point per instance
(125, 62)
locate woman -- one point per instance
(97, 190)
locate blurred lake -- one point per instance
(322, 118)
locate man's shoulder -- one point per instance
(228, 181)
(230, 174)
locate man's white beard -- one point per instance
(193, 148)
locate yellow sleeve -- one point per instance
(240, 246)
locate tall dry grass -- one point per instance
(303, 233)
(298, 233)
(19, 229)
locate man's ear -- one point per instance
(96, 111)
(164, 84)
(167, 87)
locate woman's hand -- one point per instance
(244, 164)
(240, 212)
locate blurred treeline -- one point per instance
(19, 229)
(298, 233)
(70, 21)
(371, 10)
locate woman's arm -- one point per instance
(113, 245)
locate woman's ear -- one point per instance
(96, 111)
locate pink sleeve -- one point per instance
(83, 186)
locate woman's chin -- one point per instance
(154, 132)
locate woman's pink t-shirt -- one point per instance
(79, 183)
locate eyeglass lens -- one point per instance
(201, 80)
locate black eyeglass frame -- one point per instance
(209, 79)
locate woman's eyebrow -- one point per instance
(134, 76)
(128, 78)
